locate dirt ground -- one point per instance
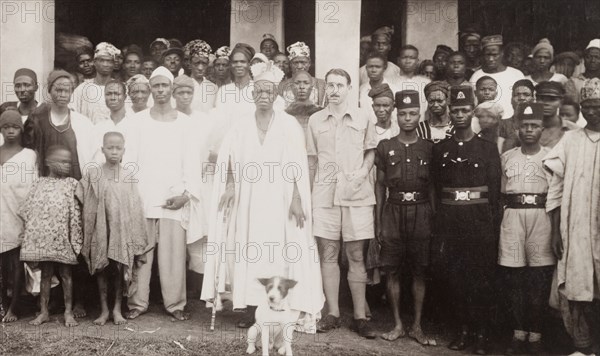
(155, 333)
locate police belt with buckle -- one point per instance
(465, 196)
(525, 201)
(397, 197)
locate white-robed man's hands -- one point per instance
(297, 212)
(227, 197)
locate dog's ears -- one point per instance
(264, 281)
(290, 283)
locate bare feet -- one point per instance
(417, 334)
(79, 311)
(41, 318)
(10, 317)
(102, 319)
(396, 333)
(180, 315)
(70, 320)
(118, 318)
(134, 313)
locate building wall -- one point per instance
(429, 23)
(250, 19)
(337, 39)
(26, 41)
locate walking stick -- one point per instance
(217, 270)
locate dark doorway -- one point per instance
(141, 21)
(299, 25)
(568, 24)
(379, 13)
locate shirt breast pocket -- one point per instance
(357, 136)
(323, 141)
(423, 168)
(393, 160)
(477, 167)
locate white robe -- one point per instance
(259, 218)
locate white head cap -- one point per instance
(162, 71)
(595, 43)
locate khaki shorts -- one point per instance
(351, 223)
(525, 239)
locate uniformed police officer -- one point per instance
(466, 172)
(404, 217)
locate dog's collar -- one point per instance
(276, 310)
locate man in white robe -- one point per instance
(574, 203)
(266, 201)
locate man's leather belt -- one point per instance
(397, 197)
(525, 201)
(465, 196)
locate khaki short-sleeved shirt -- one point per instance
(340, 145)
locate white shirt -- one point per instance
(88, 100)
(205, 94)
(391, 74)
(505, 79)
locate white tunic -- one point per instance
(166, 160)
(267, 242)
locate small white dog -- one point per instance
(275, 322)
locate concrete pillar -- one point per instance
(337, 39)
(26, 41)
(427, 23)
(250, 19)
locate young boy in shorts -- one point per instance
(525, 250)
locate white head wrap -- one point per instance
(106, 49)
(298, 49)
(266, 71)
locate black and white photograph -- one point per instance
(300, 177)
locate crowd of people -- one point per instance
(223, 167)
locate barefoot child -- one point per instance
(114, 226)
(18, 170)
(53, 235)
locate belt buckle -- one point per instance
(408, 196)
(529, 199)
(462, 195)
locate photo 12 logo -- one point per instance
(27, 11)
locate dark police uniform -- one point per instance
(407, 215)
(467, 181)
